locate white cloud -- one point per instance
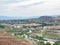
(27, 8)
(24, 3)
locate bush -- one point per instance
(57, 43)
(40, 43)
(2, 26)
(48, 43)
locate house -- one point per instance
(17, 26)
(30, 31)
(51, 41)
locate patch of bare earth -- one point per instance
(6, 39)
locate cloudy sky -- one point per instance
(29, 7)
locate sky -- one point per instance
(29, 7)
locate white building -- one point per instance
(17, 26)
(51, 41)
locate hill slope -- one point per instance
(6, 39)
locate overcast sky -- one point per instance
(29, 7)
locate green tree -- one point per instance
(2, 26)
(48, 43)
(57, 43)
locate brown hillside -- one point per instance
(5, 39)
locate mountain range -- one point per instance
(33, 19)
(43, 18)
(12, 17)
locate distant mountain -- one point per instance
(12, 18)
(33, 19)
(57, 18)
(5, 17)
(43, 18)
(46, 18)
(50, 19)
